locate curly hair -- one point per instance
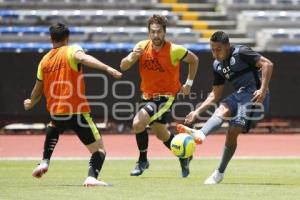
(157, 19)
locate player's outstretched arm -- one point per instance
(214, 96)
(92, 62)
(128, 61)
(36, 95)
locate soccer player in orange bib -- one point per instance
(60, 79)
(159, 67)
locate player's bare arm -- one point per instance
(214, 96)
(92, 62)
(128, 61)
(36, 95)
(266, 67)
(193, 62)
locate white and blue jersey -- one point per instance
(241, 71)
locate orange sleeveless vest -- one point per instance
(64, 87)
(158, 75)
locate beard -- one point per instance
(158, 42)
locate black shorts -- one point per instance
(82, 124)
(159, 108)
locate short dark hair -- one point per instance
(59, 32)
(220, 36)
(157, 19)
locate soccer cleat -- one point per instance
(197, 135)
(215, 178)
(184, 164)
(140, 168)
(92, 181)
(40, 170)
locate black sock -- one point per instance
(52, 136)
(142, 140)
(168, 142)
(95, 164)
(227, 155)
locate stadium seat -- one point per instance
(55, 18)
(240, 1)
(8, 17)
(10, 36)
(100, 19)
(30, 19)
(100, 36)
(77, 19)
(263, 1)
(139, 19)
(285, 2)
(34, 36)
(120, 36)
(120, 19)
(139, 35)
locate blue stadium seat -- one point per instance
(262, 1)
(56, 18)
(198, 47)
(296, 35)
(120, 19)
(241, 1)
(8, 17)
(187, 37)
(280, 36)
(138, 36)
(285, 2)
(290, 48)
(120, 36)
(100, 36)
(76, 19)
(100, 19)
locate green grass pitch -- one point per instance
(257, 179)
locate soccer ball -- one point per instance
(183, 145)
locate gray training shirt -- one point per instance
(239, 68)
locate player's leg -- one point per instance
(212, 124)
(89, 135)
(246, 114)
(140, 121)
(238, 123)
(97, 159)
(229, 150)
(52, 136)
(163, 134)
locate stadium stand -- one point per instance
(252, 21)
(233, 7)
(197, 20)
(274, 39)
(106, 20)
